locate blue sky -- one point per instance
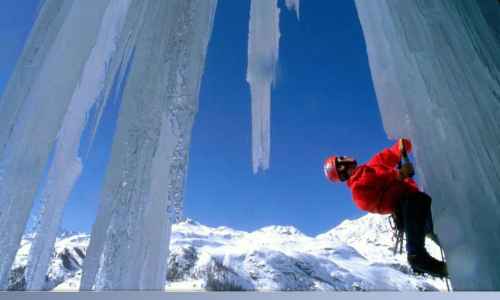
(323, 104)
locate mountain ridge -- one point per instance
(355, 255)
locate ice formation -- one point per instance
(151, 55)
(66, 165)
(435, 67)
(34, 105)
(263, 50)
(129, 243)
(37, 48)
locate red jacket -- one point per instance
(375, 185)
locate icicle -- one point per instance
(130, 236)
(177, 122)
(67, 166)
(263, 50)
(33, 125)
(45, 30)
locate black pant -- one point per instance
(414, 213)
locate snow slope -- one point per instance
(355, 255)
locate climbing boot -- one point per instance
(424, 263)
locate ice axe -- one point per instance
(433, 236)
(404, 157)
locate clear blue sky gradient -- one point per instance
(323, 104)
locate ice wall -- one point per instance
(66, 165)
(435, 67)
(129, 241)
(263, 50)
(33, 107)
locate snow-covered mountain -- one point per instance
(356, 255)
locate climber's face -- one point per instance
(345, 166)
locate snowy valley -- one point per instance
(355, 255)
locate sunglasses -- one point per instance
(342, 166)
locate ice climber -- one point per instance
(378, 187)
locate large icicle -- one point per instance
(263, 50)
(66, 166)
(183, 89)
(129, 243)
(126, 45)
(436, 71)
(38, 45)
(35, 115)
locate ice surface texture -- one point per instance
(129, 242)
(78, 52)
(66, 165)
(263, 51)
(34, 104)
(435, 67)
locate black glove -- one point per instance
(406, 171)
